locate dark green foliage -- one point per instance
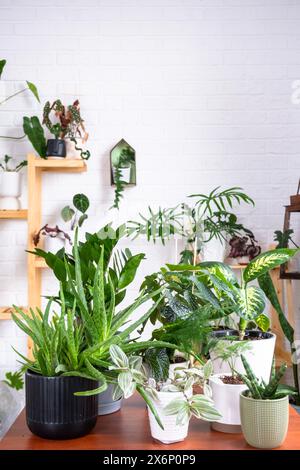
(35, 133)
(2, 65)
(259, 390)
(33, 89)
(14, 379)
(218, 200)
(283, 238)
(158, 361)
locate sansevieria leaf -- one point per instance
(266, 262)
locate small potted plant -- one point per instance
(226, 387)
(122, 172)
(76, 215)
(243, 248)
(171, 403)
(10, 183)
(264, 408)
(12, 399)
(68, 130)
(54, 238)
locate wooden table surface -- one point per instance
(129, 429)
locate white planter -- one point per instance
(71, 150)
(178, 365)
(125, 174)
(214, 250)
(260, 358)
(171, 432)
(53, 244)
(227, 401)
(10, 190)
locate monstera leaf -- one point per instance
(266, 262)
(250, 302)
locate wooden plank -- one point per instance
(61, 164)
(5, 312)
(10, 214)
(40, 263)
(129, 429)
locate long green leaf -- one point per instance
(99, 310)
(266, 262)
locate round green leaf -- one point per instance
(81, 202)
(67, 213)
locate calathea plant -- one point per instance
(81, 204)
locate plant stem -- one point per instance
(242, 328)
(295, 375)
(13, 95)
(13, 138)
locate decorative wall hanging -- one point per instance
(122, 169)
(291, 270)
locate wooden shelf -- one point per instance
(61, 164)
(5, 312)
(10, 214)
(40, 263)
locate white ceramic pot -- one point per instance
(227, 401)
(10, 190)
(214, 250)
(125, 174)
(260, 358)
(178, 365)
(53, 244)
(172, 432)
(242, 260)
(71, 150)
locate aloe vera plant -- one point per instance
(259, 390)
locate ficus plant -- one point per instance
(81, 204)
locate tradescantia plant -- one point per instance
(131, 377)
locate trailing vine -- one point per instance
(120, 186)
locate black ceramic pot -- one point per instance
(52, 409)
(248, 335)
(56, 148)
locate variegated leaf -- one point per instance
(266, 262)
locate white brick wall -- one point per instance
(200, 88)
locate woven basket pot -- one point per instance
(264, 422)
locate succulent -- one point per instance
(259, 390)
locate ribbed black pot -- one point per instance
(52, 409)
(56, 148)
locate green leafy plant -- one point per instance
(126, 157)
(68, 123)
(283, 238)
(30, 86)
(259, 390)
(35, 133)
(131, 378)
(229, 352)
(9, 165)
(210, 217)
(14, 379)
(81, 204)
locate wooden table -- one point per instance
(129, 429)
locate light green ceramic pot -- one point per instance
(264, 422)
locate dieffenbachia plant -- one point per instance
(219, 284)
